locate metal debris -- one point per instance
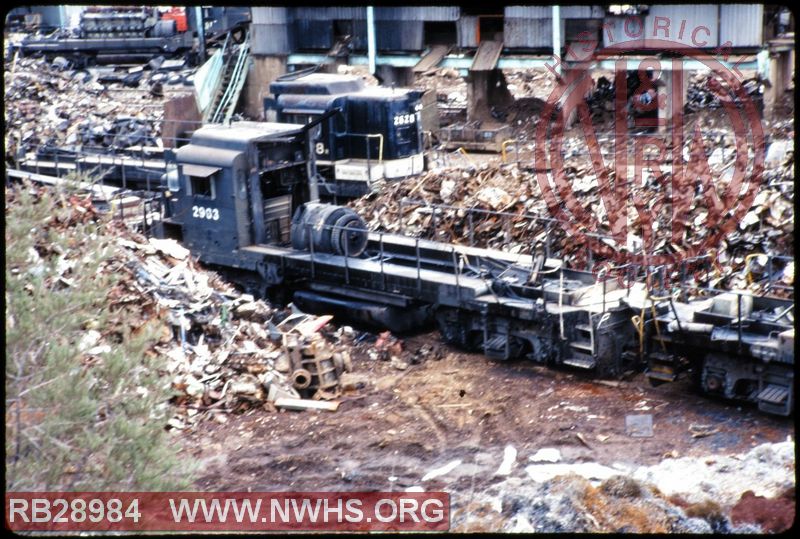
(639, 426)
(218, 348)
(701, 431)
(96, 107)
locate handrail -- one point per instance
(237, 82)
(229, 91)
(466, 155)
(503, 147)
(367, 136)
(747, 272)
(380, 144)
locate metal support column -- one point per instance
(556, 15)
(371, 48)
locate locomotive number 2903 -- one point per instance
(200, 212)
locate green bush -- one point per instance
(76, 421)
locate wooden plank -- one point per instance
(487, 56)
(306, 404)
(432, 59)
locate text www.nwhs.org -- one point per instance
(305, 510)
(87, 511)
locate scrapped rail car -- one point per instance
(375, 136)
(247, 203)
(112, 34)
(137, 167)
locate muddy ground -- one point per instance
(388, 435)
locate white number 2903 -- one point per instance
(205, 213)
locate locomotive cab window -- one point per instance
(203, 187)
(201, 180)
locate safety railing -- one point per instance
(525, 290)
(99, 166)
(457, 258)
(471, 214)
(224, 109)
(367, 147)
(382, 256)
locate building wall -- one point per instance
(466, 30)
(399, 35)
(271, 31)
(263, 70)
(742, 24)
(286, 29)
(702, 24)
(693, 25)
(531, 27)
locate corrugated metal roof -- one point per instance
(270, 15)
(312, 34)
(531, 26)
(328, 13)
(692, 26)
(614, 29)
(528, 12)
(418, 13)
(742, 25)
(582, 12)
(567, 12)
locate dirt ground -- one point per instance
(388, 435)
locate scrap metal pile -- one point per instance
(451, 92)
(225, 351)
(221, 351)
(703, 94)
(469, 193)
(103, 108)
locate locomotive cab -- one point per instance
(375, 134)
(238, 186)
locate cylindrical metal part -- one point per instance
(164, 28)
(301, 379)
(329, 229)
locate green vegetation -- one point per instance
(83, 394)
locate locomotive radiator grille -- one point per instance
(774, 394)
